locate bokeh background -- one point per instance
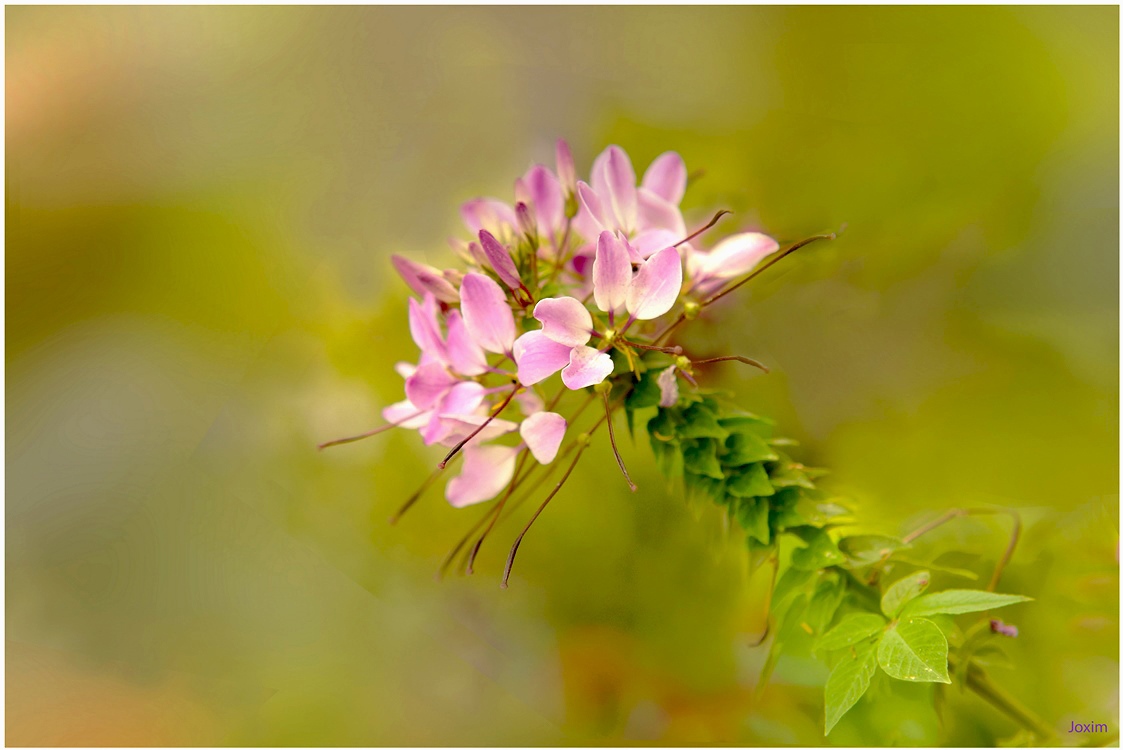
(200, 206)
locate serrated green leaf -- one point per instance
(789, 474)
(752, 514)
(869, 548)
(699, 487)
(904, 591)
(750, 481)
(663, 426)
(848, 682)
(960, 601)
(914, 650)
(748, 423)
(699, 422)
(820, 552)
(746, 448)
(854, 628)
(668, 457)
(700, 457)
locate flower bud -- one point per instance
(567, 173)
(500, 260)
(527, 223)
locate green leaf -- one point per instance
(914, 650)
(820, 551)
(959, 601)
(751, 481)
(746, 448)
(853, 629)
(904, 591)
(752, 514)
(700, 487)
(849, 680)
(824, 603)
(699, 422)
(700, 457)
(748, 423)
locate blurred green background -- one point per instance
(200, 207)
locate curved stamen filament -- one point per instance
(365, 435)
(612, 439)
(515, 547)
(732, 358)
(717, 217)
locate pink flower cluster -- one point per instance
(554, 282)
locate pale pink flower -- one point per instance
(423, 278)
(542, 191)
(734, 256)
(648, 214)
(567, 326)
(646, 294)
(491, 214)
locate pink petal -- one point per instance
(564, 320)
(487, 470)
(464, 398)
(658, 213)
(404, 414)
(538, 357)
(529, 401)
(612, 273)
(567, 173)
(499, 258)
(491, 214)
(426, 386)
(541, 189)
(656, 286)
(650, 241)
(460, 427)
(668, 387)
(486, 313)
(425, 329)
(587, 366)
(739, 254)
(543, 433)
(423, 278)
(614, 180)
(666, 177)
(464, 355)
(593, 212)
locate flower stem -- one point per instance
(980, 684)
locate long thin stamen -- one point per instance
(515, 547)
(612, 439)
(647, 347)
(717, 217)
(365, 435)
(732, 358)
(498, 509)
(456, 448)
(776, 258)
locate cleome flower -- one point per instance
(573, 279)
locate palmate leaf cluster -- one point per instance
(829, 591)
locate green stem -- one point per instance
(980, 684)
